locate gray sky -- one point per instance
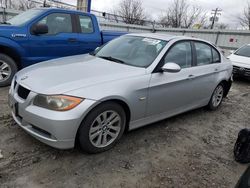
(230, 8)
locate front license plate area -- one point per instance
(13, 105)
(242, 71)
(15, 109)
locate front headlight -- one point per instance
(57, 102)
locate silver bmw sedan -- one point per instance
(132, 81)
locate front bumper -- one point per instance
(57, 129)
(241, 71)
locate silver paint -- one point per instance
(149, 96)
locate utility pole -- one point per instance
(84, 5)
(215, 12)
(248, 17)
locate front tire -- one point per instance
(217, 97)
(8, 69)
(102, 128)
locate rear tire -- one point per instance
(217, 97)
(102, 128)
(8, 69)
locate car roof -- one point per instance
(160, 36)
(62, 10)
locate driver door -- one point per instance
(172, 93)
(60, 41)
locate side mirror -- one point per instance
(95, 51)
(231, 51)
(171, 67)
(40, 29)
(97, 48)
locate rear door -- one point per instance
(61, 40)
(206, 71)
(89, 36)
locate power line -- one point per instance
(47, 3)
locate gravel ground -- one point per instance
(194, 149)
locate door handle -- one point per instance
(191, 76)
(216, 70)
(72, 40)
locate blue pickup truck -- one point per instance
(46, 33)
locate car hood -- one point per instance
(8, 30)
(240, 60)
(62, 75)
(7, 27)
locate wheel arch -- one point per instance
(126, 109)
(11, 53)
(119, 101)
(227, 85)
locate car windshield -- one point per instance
(132, 50)
(24, 17)
(243, 51)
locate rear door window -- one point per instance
(86, 24)
(216, 56)
(204, 53)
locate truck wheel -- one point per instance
(8, 69)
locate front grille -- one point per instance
(23, 92)
(240, 70)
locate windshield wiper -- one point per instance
(7, 23)
(110, 58)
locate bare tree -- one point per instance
(177, 12)
(165, 20)
(244, 19)
(6, 3)
(25, 5)
(181, 14)
(131, 12)
(22, 4)
(222, 26)
(194, 14)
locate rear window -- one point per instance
(86, 24)
(243, 51)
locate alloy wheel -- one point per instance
(5, 71)
(218, 95)
(105, 129)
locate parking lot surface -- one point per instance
(194, 149)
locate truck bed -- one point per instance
(109, 35)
